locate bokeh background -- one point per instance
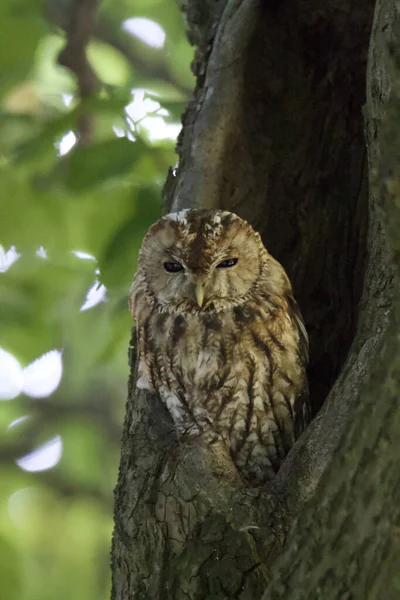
(72, 218)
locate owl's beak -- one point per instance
(200, 293)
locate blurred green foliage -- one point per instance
(58, 198)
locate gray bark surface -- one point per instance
(275, 132)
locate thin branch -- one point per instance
(73, 56)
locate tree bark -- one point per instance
(275, 133)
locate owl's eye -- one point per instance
(173, 267)
(229, 262)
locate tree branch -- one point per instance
(73, 56)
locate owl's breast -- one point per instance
(198, 362)
(193, 356)
(239, 378)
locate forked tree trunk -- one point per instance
(275, 132)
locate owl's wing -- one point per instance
(298, 323)
(302, 412)
(301, 407)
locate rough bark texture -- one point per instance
(275, 132)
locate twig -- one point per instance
(73, 56)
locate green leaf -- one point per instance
(108, 102)
(110, 64)
(179, 57)
(118, 263)
(11, 565)
(161, 90)
(53, 79)
(95, 164)
(43, 142)
(21, 27)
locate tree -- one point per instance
(281, 131)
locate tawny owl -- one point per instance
(220, 337)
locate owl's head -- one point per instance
(199, 259)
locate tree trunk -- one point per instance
(275, 133)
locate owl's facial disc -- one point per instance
(205, 260)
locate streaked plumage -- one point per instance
(233, 368)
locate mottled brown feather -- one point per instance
(233, 369)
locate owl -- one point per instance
(220, 338)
